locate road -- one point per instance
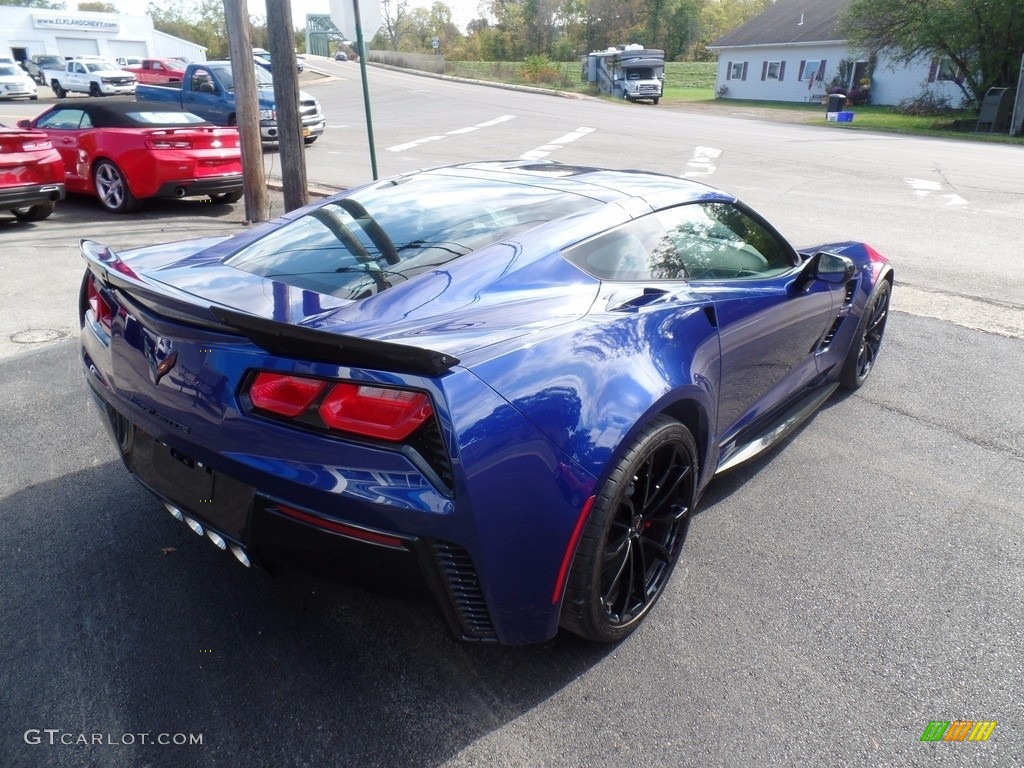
(833, 597)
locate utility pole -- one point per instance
(286, 95)
(366, 86)
(247, 108)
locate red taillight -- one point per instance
(101, 311)
(284, 395)
(381, 412)
(32, 145)
(168, 144)
(390, 414)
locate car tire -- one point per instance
(111, 188)
(35, 212)
(867, 342)
(226, 198)
(633, 536)
(58, 91)
(656, 100)
(94, 90)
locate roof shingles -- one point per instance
(788, 22)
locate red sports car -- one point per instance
(31, 174)
(124, 152)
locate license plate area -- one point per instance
(192, 486)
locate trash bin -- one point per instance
(836, 102)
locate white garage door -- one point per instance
(77, 46)
(117, 48)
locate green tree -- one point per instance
(47, 4)
(394, 25)
(98, 7)
(984, 40)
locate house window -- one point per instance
(809, 70)
(737, 71)
(773, 70)
(947, 70)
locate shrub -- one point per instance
(538, 69)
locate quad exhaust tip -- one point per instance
(219, 541)
(239, 553)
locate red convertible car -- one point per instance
(124, 152)
(31, 174)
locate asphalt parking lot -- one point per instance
(834, 597)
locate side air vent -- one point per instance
(844, 310)
(827, 339)
(429, 444)
(850, 288)
(460, 580)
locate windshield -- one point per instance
(379, 236)
(100, 66)
(6, 70)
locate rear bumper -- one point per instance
(277, 536)
(196, 187)
(34, 194)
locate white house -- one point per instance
(793, 52)
(26, 32)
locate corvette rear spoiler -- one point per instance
(279, 338)
(336, 349)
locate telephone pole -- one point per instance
(286, 96)
(247, 108)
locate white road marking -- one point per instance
(546, 149)
(703, 161)
(456, 132)
(924, 187)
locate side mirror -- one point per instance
(207, 88)
(827, 267)
(833, 268)
(24, 124)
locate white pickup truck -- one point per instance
(96, 77)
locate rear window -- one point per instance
(164, 118)
(380, 236)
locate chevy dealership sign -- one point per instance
(83, 23)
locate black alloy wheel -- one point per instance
(634, 535)
(867, 343)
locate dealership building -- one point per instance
(26, 32)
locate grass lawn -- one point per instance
(693, 83)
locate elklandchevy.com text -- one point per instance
(56, 736)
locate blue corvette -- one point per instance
(506, 383)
